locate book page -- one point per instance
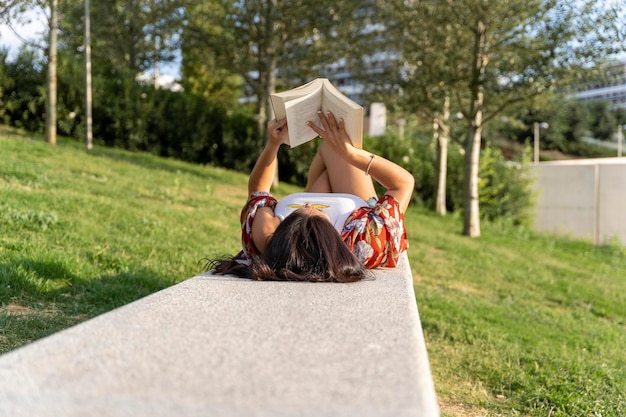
(279, 100)
(301, 104)
(300, 111)
(344, 108)
(278, 105)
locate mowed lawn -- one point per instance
(517, 323)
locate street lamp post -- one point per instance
(536, 127)
(620, 138)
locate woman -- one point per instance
(330, 232)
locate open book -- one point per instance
(301, 104)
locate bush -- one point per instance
(23, 91)
(416, 155)
(173, 124)
(190, 127)
(505, 187)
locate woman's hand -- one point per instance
(398, 181)
(277, 132)
(333, 133)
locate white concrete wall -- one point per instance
(582, 198)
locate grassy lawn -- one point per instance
(517, 323)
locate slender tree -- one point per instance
(442, 136)
(130, 35)
(488, 56)
(14, 11)
(51, 96)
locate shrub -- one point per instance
(417, 155)
(505, 187)
(23, 92)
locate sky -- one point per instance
(36, 29)
(31, 31)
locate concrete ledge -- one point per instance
(220, 346)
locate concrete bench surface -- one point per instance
(222, 346)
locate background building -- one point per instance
(612, 88)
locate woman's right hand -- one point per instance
(277, 131)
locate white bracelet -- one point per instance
(367, 171)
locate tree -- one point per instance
(9, 8)
(203, 72)
(14, 10)
(263, 40)
(88, 83)
(616, 29)
(488, 56)
(132, 36)
(603, 120)
(51, 96)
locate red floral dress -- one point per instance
(375, 235)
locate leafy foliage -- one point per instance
(23, 91)
(506, 188)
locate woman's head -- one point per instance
(306, 247)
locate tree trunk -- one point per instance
(443, 138)
(51, 98)
(88, 90)
(471, 210)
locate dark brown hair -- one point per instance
(304, 247)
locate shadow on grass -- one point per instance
(38, 298)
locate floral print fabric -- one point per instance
(255, 201)
(376, 235)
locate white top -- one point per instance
(336, 205)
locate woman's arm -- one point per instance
(261, 179)
(262, 175)
(398, 181)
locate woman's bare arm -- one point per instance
(261, 179)
(398, 181)
(262, 175)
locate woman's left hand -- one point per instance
(333, 133)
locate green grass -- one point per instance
(517, 323)
(84, 232)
